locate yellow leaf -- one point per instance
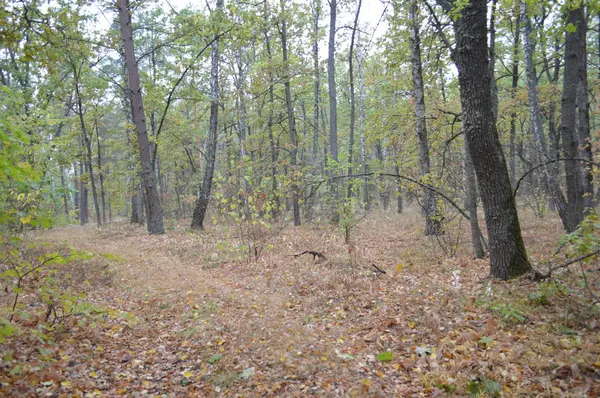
(398, 267)
(99, 348)
(25, 220)
(93, 374)
(366, 382)
(187, 374)
(412, 325)
(65, 383)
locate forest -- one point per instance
(337, 198)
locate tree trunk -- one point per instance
(291, 121)
(471, 204)
(433, 225)
(512, 154)
(361, 127)
(211, 150)
(583, 125)
(352, 98)
(492, 50)
(508, 258)
(333, 135)
(315, 54)
(88, 147)
(537, 125)
(333, 138)
(101, 175)
(273, 147)
(155, 217)
(83, 190)
(574, 51)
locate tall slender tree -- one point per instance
(155, 217)
(211, 150)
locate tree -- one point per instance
(155, 217)
(574, 52)
(290, 116)
(433, 225)
(508, 257)
(205, 189)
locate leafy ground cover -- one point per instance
(190, 316)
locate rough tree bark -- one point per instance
(508, 257)
(211, 150)
(155, 217)
(574, 47)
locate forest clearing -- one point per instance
(205, 321)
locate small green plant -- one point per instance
(509, 311)
(41, 292)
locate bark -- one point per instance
(273, 147)
(211, 150)
(333, 135)
(291, 121)
(493, 83)
(537, 124)
(508, 258)
(88, 148)
(83, 190)
(317, 77)
(574, 47)
(101, 175)
(432, 221)
(333, 138)
(361, 128)
(352, 97)
(471, 204)
(583, 125)
(513, 94)
(155, 217)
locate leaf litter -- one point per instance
(205, 322)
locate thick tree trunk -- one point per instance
(508, 258)
(211, 150)
(574, 51)
(433, 225)
(155, 217)
(291, 121)
(537, 126)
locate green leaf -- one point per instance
(215, 359)
(385, 356)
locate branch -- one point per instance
(414, 181)
(170, 96)
(547, 163)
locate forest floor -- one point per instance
(207, 322)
